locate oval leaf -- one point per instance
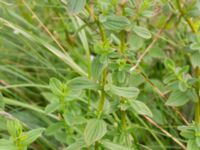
(97, 68)
(94, 131)
(115, 23)
(142, 32)
(141, 108)
(80, 83)
(177, 98)
(127, 92)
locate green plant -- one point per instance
(18, 140)
(102, 74)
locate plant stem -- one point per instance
(197, 112)
(103, 82)
(96, 146)
(122, 44)
(102, 32)
(196, 70)
(197, 104)
(148, 48)
(166, 133)
(102, 99)
(183, 14)
(123, 119)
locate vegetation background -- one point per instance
(99, 74)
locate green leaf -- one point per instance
(56, 86)
(72, 120)
(52, 107)
(7, 145)
(148, 13)
(14, 128)
(72, 95)
(141, 108)
(195, 46)
(170, 64)
(94, 131)
(2, 103)
(50, 96)
(97, 68)
(54, 127)
(75, 6)
(191, 145)
(195, 59)
(121, 76)
(113, 146)
(81, 83)
(127, 92)
(183, 70)
(197, 135)
(115, 23)
(182, 86)
(61, 136)
(135, 42)
(177, 98)
(142, 32)
(187, 131)
(30, 136)
(192, 94)
(78, 145)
